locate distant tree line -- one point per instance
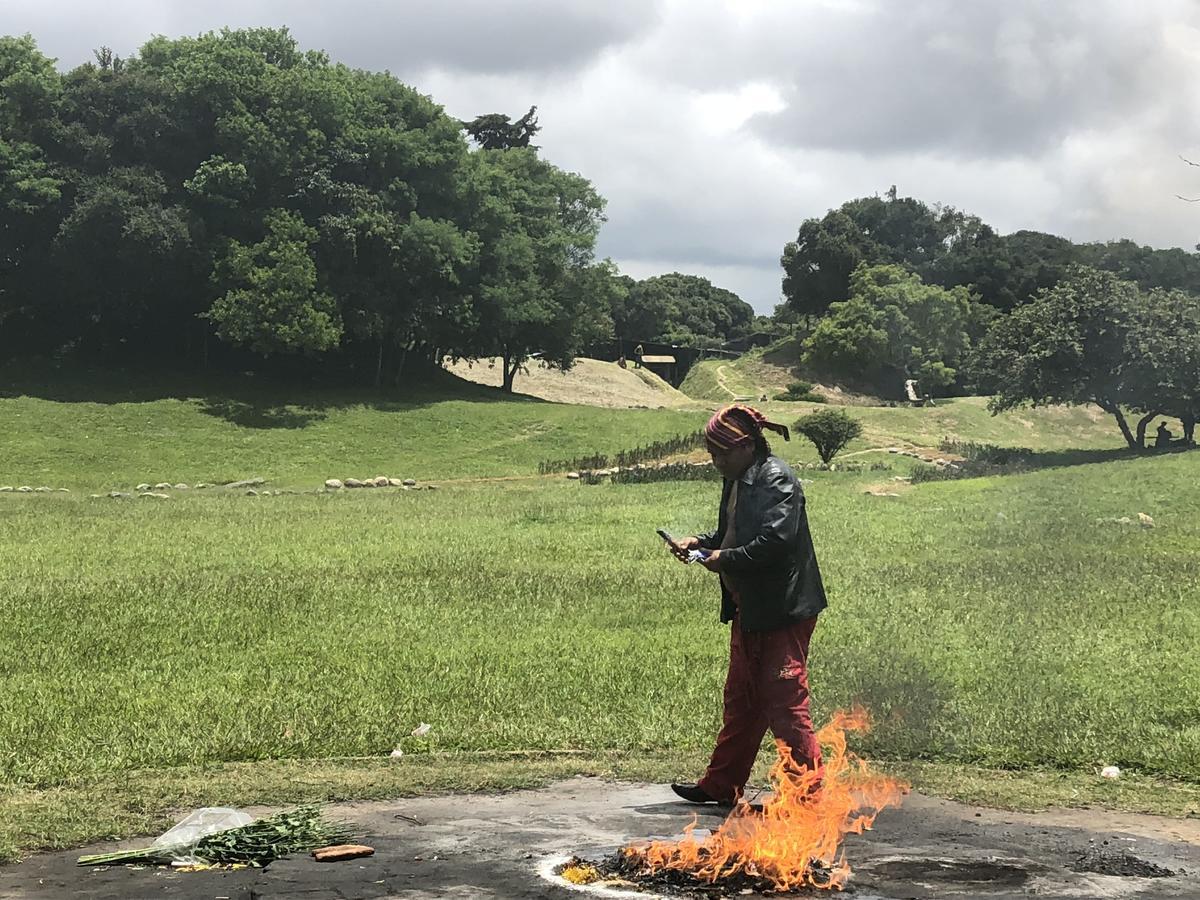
(231, 200)
(687, 310)
(886, 289)
(950, 248)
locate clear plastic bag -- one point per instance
(197, 824)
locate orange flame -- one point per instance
(803, 822)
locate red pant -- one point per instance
(767, 687)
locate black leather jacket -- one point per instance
(773, 568)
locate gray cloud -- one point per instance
(465, 35)
(977, 79)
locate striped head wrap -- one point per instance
(736, 425)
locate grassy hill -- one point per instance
(763, 370)
(108, 431)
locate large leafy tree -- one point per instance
(163, 162)
(271, 302)
(639, 310)
(1070, 345)
(817, 265)
(30, 186)
(699, 313)
(1162, 360)
(681, 309)
(867, 231)
(537, 227)
(894, 327)
(124, 254)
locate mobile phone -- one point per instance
(693, 555)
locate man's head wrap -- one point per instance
(736, 425)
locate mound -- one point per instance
(767, 371)
(590, 382)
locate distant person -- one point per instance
(771, 593)
(621, 362)
(638, 353)
(1162, 437)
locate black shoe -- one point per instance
(693, 793)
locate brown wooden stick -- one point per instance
(342, 851)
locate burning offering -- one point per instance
(793, 842)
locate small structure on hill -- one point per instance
(661, 365)
(914, 395)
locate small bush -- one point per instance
(800, 391)
(830, 430)
(992, 454)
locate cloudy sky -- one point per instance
(714, 128)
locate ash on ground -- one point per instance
(1101, 861)
(630, 872)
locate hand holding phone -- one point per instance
(687, 552)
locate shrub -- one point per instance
(830, 430)
(986, 453)
(800, 391)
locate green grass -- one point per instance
(985, 621)
(763, 370)
(990, 622)
(719, 381)
(120, 432)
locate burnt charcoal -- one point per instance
(1099, 861)
(675, 883)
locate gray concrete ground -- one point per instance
(492, 846)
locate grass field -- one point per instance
(992, 622)
(118, 432)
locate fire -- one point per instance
(796, 840)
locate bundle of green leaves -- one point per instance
(261, 842)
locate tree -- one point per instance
(641, 310)
(950, 248)
(981, 259)
(866, 231)
(1163, 360)
(830, 430)
(271, 303)
(1069, 345)
(892, 328)
(697, 313)
(30, 187)
(494, 131)
(533, 286)
(817, 265)
(125, 258)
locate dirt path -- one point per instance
(721, 381)
(506, 846)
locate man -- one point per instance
(771, 592)
(1162, 437)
